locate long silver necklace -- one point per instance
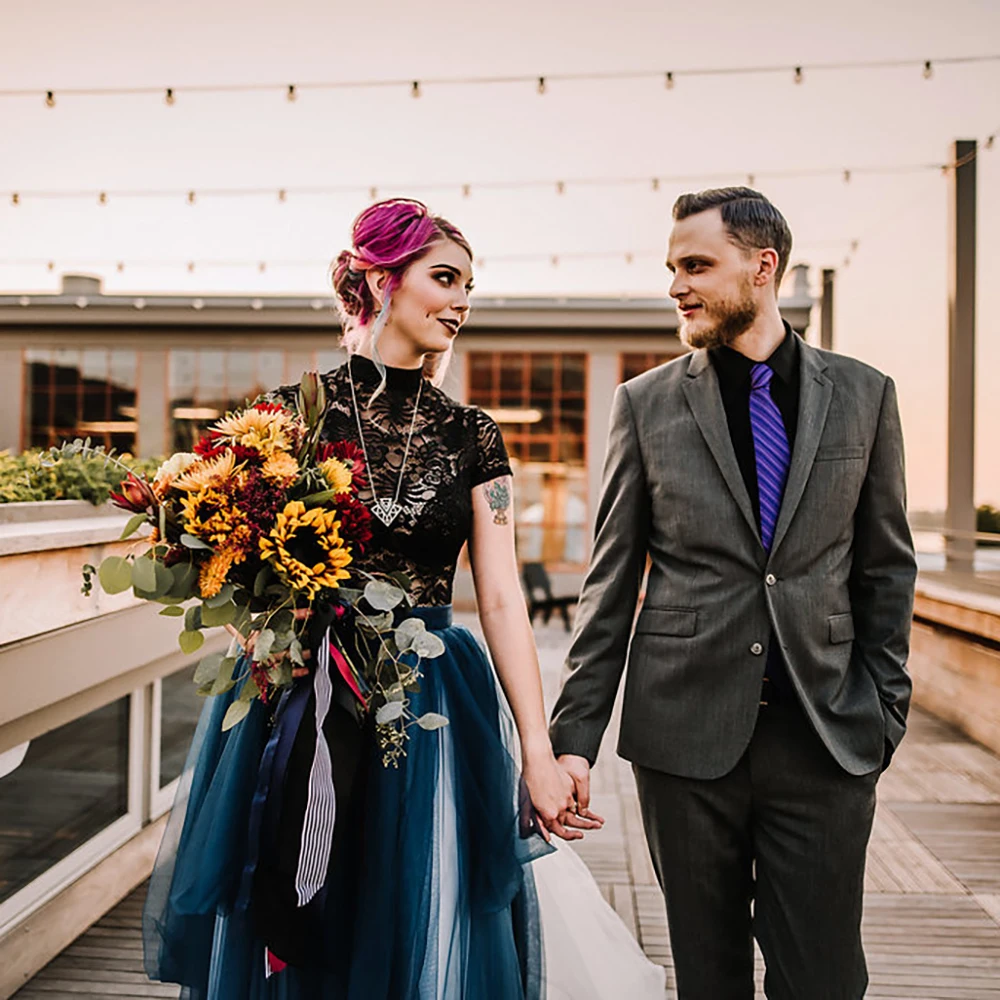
(385, 510)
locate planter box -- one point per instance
(955, 659)
(43, 547)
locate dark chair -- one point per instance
(536, 578)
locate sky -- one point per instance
(891, 305)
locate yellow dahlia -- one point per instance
(337, 474)
(208, 472)
(266, 431)
(213, 572)
(306, 550)
(281, 468)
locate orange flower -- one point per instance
(213, 572)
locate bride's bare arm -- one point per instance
(504, 618)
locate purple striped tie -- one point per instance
(770, 444)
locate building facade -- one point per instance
(145, 375)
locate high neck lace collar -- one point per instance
(404, 380)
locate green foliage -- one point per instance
(988, 521)
(24, 478)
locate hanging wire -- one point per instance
(415, 86)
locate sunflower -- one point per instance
(209, 515)
(209, 472)
(281, 468)
(337, 474)
(266, 431)
(306, 550)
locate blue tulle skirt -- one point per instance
(429, 894)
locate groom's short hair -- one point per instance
(752, 222)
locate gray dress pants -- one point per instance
(774, 850)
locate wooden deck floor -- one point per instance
(932, 915)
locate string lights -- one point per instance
(554, 260)
(560, 186)
(540, 81)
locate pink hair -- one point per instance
(391, 235)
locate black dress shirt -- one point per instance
(733, 371)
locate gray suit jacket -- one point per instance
(836, 589)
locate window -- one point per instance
(71, 785)
(72, 393)
(637, 363)
(539, 400)
(205, 384)
(180, 708)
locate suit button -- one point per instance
(756, 649)
(770, 579)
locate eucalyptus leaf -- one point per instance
(162, 518)
(295, 653)
(282, 640)
(281, 621)
(172, 611)
(115, 574)
(389, 712)
(192, 618)
(184, 575)
(249, 691)
(403, 580)
(144, 574)
(133, 525)
(224, 680)
(189, 541)
(222, 597)
(236, 713)
(208, 668)
(262, 647)
(164, 579)
(383, 596)
(427, 646)
(280, 675)
(377, 623)
(204, 690)
(408, 632)
(190, 642)
(262, 579)
(212, 616)
(431, 721)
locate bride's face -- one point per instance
(431, 303)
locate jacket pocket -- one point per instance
(667, 621)
(837, 453)
(841, 627)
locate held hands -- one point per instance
(553, 790)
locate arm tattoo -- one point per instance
(497, 495)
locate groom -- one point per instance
(766, 689)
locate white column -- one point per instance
(11, 399)
(602, 380)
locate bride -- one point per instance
(443, 881)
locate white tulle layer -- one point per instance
(589, 952)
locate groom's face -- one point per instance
(713, 281)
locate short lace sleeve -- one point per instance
(491, 453)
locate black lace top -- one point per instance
(454, 449)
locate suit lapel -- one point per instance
(701, 388)
(814, 403)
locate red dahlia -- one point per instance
(355, 522)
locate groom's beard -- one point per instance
(728, 321)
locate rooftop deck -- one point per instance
(932, 923)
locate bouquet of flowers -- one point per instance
(259, 524)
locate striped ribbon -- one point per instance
(321, 800)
